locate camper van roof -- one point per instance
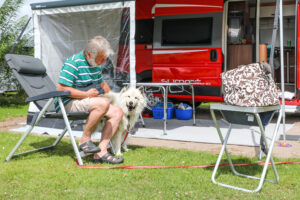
(67, 3)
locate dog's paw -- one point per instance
(125, 149)
(118, 154)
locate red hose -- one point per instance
(170, 167)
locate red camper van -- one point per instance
(196, 40)
(180, 41)
(190, 41)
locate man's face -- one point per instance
(97, 60)
(100, 59)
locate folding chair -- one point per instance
(252, 116)
(31, 74)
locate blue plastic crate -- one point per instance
(184, 114)
(158, 111)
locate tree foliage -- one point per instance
(11, 25)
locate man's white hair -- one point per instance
(98, 45)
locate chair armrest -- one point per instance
(48, 95)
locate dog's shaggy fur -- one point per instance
(132, 101)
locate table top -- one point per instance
(159, 84)
(259, 109)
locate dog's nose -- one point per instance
(130, 103)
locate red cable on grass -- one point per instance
(172, 167)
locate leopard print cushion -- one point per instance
(249, 85)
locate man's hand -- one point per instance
(92, 92)
(105, 87)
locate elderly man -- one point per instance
(83, 69)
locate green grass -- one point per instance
(13, 111)
(52, 174)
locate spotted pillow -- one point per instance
(250, 85)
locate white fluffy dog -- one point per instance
(132, 101)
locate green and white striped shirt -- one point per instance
(76, 72)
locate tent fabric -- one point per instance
(60, 32)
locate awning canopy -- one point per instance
(62, 28)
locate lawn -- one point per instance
(53, 174)
(12, 111)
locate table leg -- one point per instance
(194, 111)
(268, 158)
(165, 110)
(288, 67)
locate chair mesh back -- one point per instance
(31, 74)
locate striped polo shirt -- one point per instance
(76, 72)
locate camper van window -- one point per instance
(144, 31)
(189, 31)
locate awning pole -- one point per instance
(274, 36)
(282, 69)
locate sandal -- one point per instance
(108, 158)
(89, 147)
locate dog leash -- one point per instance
(125, 136)
(173, 167)
(127, 131)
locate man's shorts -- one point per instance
(80, 105)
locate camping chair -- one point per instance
(251, 116)
(31, 74)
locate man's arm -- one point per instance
(78, 94)
(105, 87)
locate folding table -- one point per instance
(165, 88)
(252, 116)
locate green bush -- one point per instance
(13, 99)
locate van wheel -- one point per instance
(151, 99)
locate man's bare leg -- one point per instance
(97, 111)
(114, 116)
